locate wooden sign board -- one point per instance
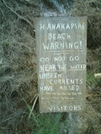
(61, 53)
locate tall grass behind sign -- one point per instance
(61, 57)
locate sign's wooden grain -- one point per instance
(61, 54)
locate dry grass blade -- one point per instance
(33, 106)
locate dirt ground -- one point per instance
(18, 66)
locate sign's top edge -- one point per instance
(37, 19)
(60, 17)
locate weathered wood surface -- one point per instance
(61, 58)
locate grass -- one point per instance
(43, 123)
(90, 79)
(47, 124)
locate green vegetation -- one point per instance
(47, 124)
(44, 123)
(91, 79)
